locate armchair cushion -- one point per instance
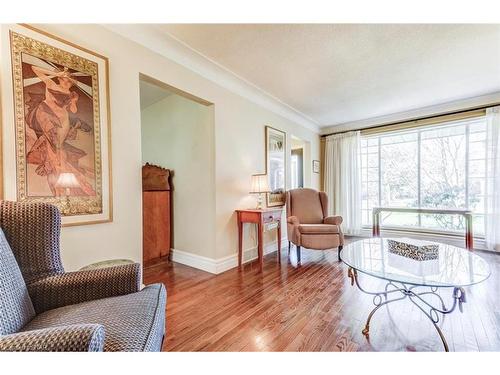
(306, 205)
(75, 287)
(75, 308)
(318, 228)
(133, 322)
(333, 220)
(16, 308)
(72, 338)
(33, 231)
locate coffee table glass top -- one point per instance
(454, 267)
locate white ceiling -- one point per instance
(342, 73)
(151, 93)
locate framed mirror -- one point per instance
(275, 166)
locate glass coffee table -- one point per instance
(453, 268)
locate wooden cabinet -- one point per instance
(156, 212)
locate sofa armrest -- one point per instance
(76, 287)
(333, 220)
(293, 220)
(71, 338)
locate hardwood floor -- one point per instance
(312, 307)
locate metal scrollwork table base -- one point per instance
(401, 291)
(453, 269)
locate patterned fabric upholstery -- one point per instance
(133, 322)
(75, 287)
(15, 304)
(33, 231)
(74, 338)
(93, 310)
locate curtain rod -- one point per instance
(417, 119)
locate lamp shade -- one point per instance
(259, 184)
(67, 180)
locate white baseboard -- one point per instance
(231, 261)
(193, 260)
(220, 265)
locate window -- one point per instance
(438, 166)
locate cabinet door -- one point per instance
(156, 224)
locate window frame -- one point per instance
(467, 122)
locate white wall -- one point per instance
(178, 134)
(239, 147)
(240, 152)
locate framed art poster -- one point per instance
(275, 166)
(57, 121)
(316, 166)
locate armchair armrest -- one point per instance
(333, 220)
(75, 287)
(71, 338)
(294, 220)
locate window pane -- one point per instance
(399, 219)
(442, 159)
(448, 160)
(477, 193)
(477, 150)
(398, 156)
(477, 168)
(478, 127)
(369, 178)
(478, 225)
(443, 222)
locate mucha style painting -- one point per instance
(275, 166)
(60, 128)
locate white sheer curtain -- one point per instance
(492, 217)
(343, 179)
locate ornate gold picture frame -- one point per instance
(61, 126)
(276, 166)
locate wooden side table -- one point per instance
(263, 218)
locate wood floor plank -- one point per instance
(311, 307)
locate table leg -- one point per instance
(375, 224)
(366, 330)
(260, 245)
(469, 237)
(279, 241)
(240, 242)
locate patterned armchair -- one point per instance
(308, 223)
(43, 308)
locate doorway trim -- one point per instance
(175, 90)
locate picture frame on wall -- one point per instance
(316, 166)
(56, 116)
(276, 166)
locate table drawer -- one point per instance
(269, 217)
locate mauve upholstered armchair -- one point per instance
(43, 308)
(308, 223)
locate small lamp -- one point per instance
(259, 186)
(67, 181)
